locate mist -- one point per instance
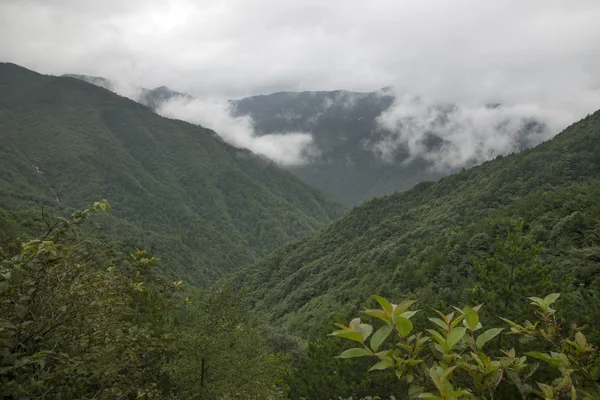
(469, 133)
(539, 59)
(286, 149)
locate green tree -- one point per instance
(221, 351)
(513, 272)
(78, 321)
(453, 362)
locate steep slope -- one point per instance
(175, 188)
(359, 156)
(350, 139)
(424, 242)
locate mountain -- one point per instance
(201, 205)
(361, 157)
(342, 124)
(430, 242)
(149, 97)
(359, 153)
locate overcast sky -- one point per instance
(504, 50)
(537, 57)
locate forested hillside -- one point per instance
(449, 242)
(355, 154)
(350, 138)
(203, 206)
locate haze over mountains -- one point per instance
(356, 146)
(215, 185)
(427, 242)
(202, 205)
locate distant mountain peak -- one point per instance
(150, 98)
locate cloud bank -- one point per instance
(451, 136)
(538, 56)
(508, 51)
(286, 149)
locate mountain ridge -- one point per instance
(422, 243)
(173, 185)
(353, 157)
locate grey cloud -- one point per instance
(538, 55)
(289, 149)
(494, 51)
(452, 136)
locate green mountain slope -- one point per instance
(425, 242)
(348, 162)
(202, 205)
(345, 129)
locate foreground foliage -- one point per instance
(69, 328)
(446, 242)
(518, 225)
(80, 320)
(221, 351)
(458, 360)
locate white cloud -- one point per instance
(289, 149)
(506, 51)
(539, 56)
(470, 133)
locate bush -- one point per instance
(458, 359)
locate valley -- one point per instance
(299, 200)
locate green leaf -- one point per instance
(379, 337)
(342, 327)
(580, 339)
(404, 326)
(551, 298)
(354, 324)
(487, 336)
(556, 359)
(387, 306)
(351, 353)
(409, 314)
(365, 330)
(454, 337)
(414, 389)
(356, 336)
(456, 394)
(381, 314)
(456, 321)
(537, 300)
(440, 348)
(539, 356)
(383, 364)
(471, 318)
(439, 323)
(437, 336)
(422, 341)
(512, 324)
(547, 390)
(448, 371)
(403, 306)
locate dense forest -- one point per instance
(177, 189)
(522, 225)
(346, 128)
(143, 257)
(344, 159)
(82, 320)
